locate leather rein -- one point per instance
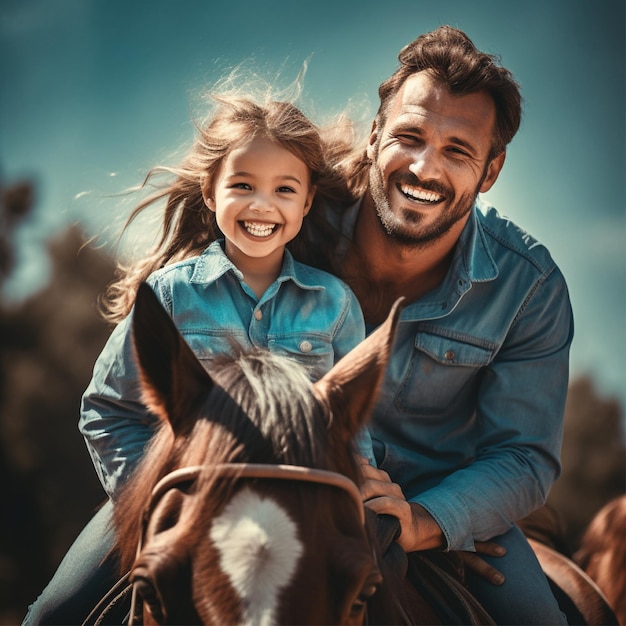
(241, 470)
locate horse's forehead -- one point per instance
(259, 550)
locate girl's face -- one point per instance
(260, 195)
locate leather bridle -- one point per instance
(242, 470)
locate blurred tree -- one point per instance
(48, 345)
(593, 457)
(16, 202)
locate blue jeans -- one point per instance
(85, 575)
(82, 579)
(525, 597)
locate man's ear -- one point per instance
(493, 171)
(207, 193)
(373, 138)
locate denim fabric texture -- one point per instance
(306, 314)
(469, 419)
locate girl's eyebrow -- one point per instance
(290, 177)
(278, 176)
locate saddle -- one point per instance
(437, 577)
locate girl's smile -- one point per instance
(259, 229)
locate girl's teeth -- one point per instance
(259, 230)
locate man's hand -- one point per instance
(473, 561)
(419, 529)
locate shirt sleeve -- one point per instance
(520, 405)
(350, 333)
(113, 420)
(350, 329)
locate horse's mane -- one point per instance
(262, 409)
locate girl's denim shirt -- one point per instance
(307, 315)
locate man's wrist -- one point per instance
(428, 533)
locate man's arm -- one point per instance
(519, 416)
(419, 531)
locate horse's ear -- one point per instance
(351, 386)
(171, 376)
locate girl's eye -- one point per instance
(286, 189)
(241, 186)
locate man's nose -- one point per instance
(426, 164)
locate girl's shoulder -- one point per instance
(204, 262)
(312, 277)
(175, 272)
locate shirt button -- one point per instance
(306, 346)
(258, 315)
(450, 355)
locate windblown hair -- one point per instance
(188, 226)
(450, 55)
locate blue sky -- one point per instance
(93, 93)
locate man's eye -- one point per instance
(407, 138)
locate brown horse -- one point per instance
(246, 508)
(589, 585)
(602, 554)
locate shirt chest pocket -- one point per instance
(442, 374)
(314, 352)
(206, 344)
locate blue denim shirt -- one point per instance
(469, 420)
(306, 314)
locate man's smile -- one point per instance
(417, 194)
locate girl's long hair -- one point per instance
(188, 226)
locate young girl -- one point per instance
(250, 178)
(222, 270)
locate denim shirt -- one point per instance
(470, 416)
(306, 314)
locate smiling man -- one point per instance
(467, 430)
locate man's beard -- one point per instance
(406, 230)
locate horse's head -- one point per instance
(227, 536)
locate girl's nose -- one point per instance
(261, 203)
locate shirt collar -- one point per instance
(213, 263)
(477, 259)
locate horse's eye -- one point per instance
(361, 601)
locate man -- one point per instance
(467, 430)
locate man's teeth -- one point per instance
(259, 229)
(420, 194)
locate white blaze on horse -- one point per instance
(259, 550)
